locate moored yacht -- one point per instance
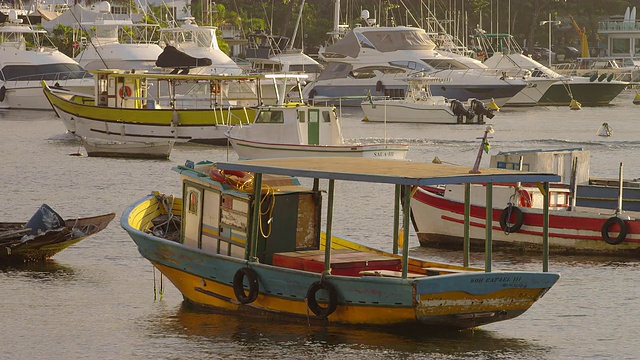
(105, 50)
(506, 54)
(26, 58)
(376, 60)
(198, 42)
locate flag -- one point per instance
(486, 146)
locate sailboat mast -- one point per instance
(336, 19)
(295, 29)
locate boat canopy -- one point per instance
(384, 171)
(383, 40)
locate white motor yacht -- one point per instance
(27, 57)
(376, 60)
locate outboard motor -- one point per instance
(478, 108)
(460, 111)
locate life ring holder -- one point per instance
(312, 302)
(125, 92)
(238, 285)
(506, 215)
(605, 230)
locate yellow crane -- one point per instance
(582, 34)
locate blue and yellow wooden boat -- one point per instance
(246, 236)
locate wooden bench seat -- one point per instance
(343, 262)
(390, 273)
(432, 271)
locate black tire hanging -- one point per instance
(503, 219)
(238, 285)
(3, 93)
(621, 235)
(312, 302)
(379, 86)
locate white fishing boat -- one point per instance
(27, 57)
(131, 149)
(420, 106)
(302, 130)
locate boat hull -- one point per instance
(439, 222)
(259, 150)
(457, 301)
(353, 94)
(132, 150)
(27, 95)
(406, 112)
(586, 93)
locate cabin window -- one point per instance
(43, 72)
(326, 117)
(621, 46)
(512, 165)
(193, 202)
(302, 117)
(273, 117)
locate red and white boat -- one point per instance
(438, 218)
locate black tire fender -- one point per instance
(238, 285)
(503, 219)
(312, 302)
(605, 230)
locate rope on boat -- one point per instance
(269, 212)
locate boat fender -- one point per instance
(506, 215)
(125, 92)
(593, 77)
(379, 86)
(601, 77)
(610, 77)
(3, 92)
(238, 285)
(621, 235)
(312, 302)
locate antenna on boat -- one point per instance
(484, 146)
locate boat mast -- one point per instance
(295, 29)
(336, 19)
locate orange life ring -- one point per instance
(237, 179)
(125, 92)
(215, 88)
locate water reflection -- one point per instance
(225, 334)
(48, 270)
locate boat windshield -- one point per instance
(446, 64)
(43, 72)
(270, 117)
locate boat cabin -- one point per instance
(217, 217)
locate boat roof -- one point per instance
(168, 76)
(384, 171)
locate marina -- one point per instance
(98, 295)
(203, 129)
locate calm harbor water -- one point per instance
(99, 298)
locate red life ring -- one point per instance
(75, 45)
(125, 92)
(525, 198)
